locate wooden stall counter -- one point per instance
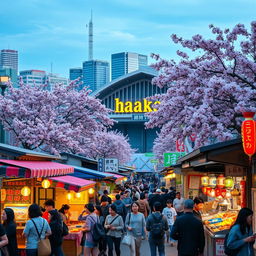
(71, 243)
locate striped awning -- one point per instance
(117, 177)
(72, 183)
(33, 169)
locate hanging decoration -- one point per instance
(69, 195)
(46, 183)
(220, 181)
(25, 191)
(212, 181)
(249, 134)
(212, 193)
(218, 192)
(205, 181)
(229, 183)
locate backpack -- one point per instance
(120, 209)
(157, 229)
(227, 250)
(142, 207)
(98, 231)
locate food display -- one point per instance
(75, 228)
(220, 221)
(20, 212)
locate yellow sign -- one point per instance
(134, 107)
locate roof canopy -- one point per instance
(35, 169)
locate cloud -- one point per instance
(120, 35)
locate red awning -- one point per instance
(38, 169)
(72, 183)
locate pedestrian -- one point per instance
(35, 226)
(178, 204)
(102, 242)
(189, 232)
(49, 205)
(65, 213)
(135, 226)
(56, 237)
(157, 225)
(170, 213)
(241, 237)
(120, 207)
(91, 248)
(198, 207)
(144, 206)
(114, 225)
(105, 195)
(156, 197)
(10, 226)
(127, 200)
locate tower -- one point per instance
(90, 55)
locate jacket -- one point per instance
(189, 232)
(120, 207)
(236, 240)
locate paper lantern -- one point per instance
(91, 191)
(46, 183)
(220, 181)
(204, 190)
(223, 192)
(25, 191)
(208, 191)
(69, 196)
(212, 181)
(229, 183)
(218, 192)
(205, 181)
(249, 134)
(78, 195)
(212, 193)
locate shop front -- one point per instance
(220, 174)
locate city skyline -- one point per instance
(55, 31)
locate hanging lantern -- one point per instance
(46, 183)
(228, 194)
(91, 191)
(205, 181)
(204, 190)
(78, 195)
(220, 181)
(25, 191)
(125, 179)
(69, 196)
(212, 193)
(218, 192)
(229, 183)
(223, 192)
(208, 191)
(249, 134)
(212, 181)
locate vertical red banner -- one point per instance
(243, 193)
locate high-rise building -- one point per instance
(95, 73)
(39, 77)
(9, 59)
(11, 73)
(75, 73)
(126, 62)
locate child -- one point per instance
(170, 213)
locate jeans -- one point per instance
(157, 244)
(170, 230)
(111, 240)
(31, 252)
(57, 251)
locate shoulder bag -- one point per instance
(44, 246)
(128, 238)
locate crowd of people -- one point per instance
(138, 212)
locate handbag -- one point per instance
(44, 246)
(128, 239)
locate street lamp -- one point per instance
(3, 84)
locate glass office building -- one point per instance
(95, 74)
(9, 59)
(126, 62)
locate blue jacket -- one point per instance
(236, 240)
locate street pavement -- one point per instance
(145, 251)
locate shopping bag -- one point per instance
(44, 247)
(128, 240)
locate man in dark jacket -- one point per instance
(189, 232)
(157, 224)
(120, 207)
(156, 197)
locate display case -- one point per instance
(20, 212)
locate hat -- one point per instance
(158, 190)
(189, 204)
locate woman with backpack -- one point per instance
(10, 229)
(114, 225)
(35, 227)
(91, 247)
(56, 237)
(240, 239)
(136, 226)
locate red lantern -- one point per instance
(220, 181)
(208, 191)
(204, 190)
(249, 133)
(218, 192)
(223, 192)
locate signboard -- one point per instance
(108, 165)
(171, 158)
(219, 245)
(234, 170)
(139, 117)
(180, 146)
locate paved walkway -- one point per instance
(145, 251)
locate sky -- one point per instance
(54, 31)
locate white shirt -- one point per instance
(179, 204)
(169, 213)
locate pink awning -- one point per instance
(72, 183)
(38, 169)
(117, 176)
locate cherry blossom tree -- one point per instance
(206, 93)
(110, 144)
(63, 119)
